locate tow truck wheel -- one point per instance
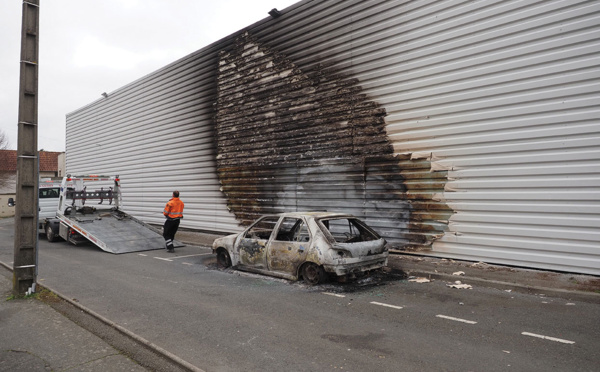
(50, 234)
(312, 273)
(223, 259)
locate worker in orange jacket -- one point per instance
(173, 212)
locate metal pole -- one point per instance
(26, 212)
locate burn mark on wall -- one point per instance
(296, 140)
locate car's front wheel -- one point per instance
(223, 259)
(313, 274)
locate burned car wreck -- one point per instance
(304, 245)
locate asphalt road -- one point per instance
(232, 321)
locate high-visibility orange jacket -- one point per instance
(174, 208)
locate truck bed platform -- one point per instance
(115, 231)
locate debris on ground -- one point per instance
(479, 264)
(418, 280)
(459, 285)
(459, 273)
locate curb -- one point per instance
(157, 349)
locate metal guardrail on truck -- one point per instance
(89, 209)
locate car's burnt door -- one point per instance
(253, 245)
(289, 246)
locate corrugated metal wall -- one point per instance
(501, 97)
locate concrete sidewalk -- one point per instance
(35, 337)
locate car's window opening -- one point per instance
(262, 229)
(292, 230)
(49, 192)
(348, 230)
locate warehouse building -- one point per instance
(457, 129)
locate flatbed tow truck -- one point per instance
(102, 221)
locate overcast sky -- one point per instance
(94, 46)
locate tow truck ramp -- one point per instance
(114, 232)
(102, 223)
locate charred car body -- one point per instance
(310, 245)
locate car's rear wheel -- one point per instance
(313, 274)
(223, 259)
(50, 234)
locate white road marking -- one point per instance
(333, 294)
(141, 254)
(187, 263)
(192, 255)
(176, 257)
(386, 305)
(456, 319)
(548, 338)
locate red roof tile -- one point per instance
(8, 160)
(48, 160)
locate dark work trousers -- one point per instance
(169, 230)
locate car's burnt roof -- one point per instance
(317, 215)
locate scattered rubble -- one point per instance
(459, 285)
(480, 264)
(459, 273)
(418, 280)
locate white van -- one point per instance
(49, 192)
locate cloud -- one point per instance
(93, 52)
(90, 47)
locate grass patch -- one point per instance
(48, 296)
(18, 297)
(43, 295)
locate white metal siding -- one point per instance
(157, 134)
(503, 95)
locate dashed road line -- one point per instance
(456, 319)
(141, 254)
(333, 294)
(176, 257)
(192, 255)
(386, 305)
(548, 338)
(187, 263)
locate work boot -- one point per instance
(170, 247)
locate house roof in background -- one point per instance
(48, 160)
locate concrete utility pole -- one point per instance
(26, 213)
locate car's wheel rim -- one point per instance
(311, 274)
(223, 259)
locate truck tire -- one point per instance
(50, 234)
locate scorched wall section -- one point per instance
(486, 142)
